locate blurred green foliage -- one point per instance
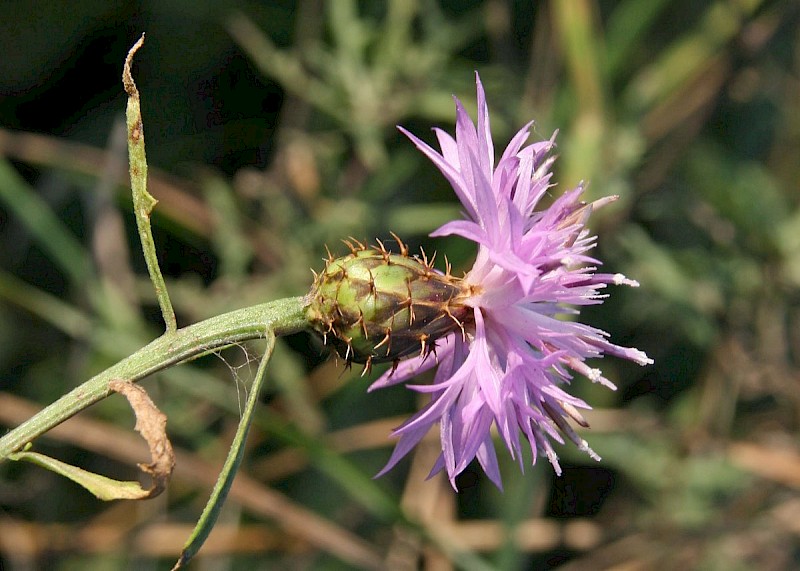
(270, 133)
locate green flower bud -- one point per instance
(375, 306)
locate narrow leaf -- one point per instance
(143, 201)
(232, 462)
(104, 488)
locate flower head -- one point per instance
(506, 366)
(374, 306)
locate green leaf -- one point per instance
(210, 513)
(102, 487)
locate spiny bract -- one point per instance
(376, 306)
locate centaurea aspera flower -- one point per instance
(507, 366)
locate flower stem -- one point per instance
(279, 317)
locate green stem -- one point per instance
(280, 317)
(143, 201)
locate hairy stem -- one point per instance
(279, 317)
(143, 201)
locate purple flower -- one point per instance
(509, 365)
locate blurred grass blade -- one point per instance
(350, 36)
(577, 25)
(516, 502)
(210, 513)
(395, 38)
(45, 306)
(420, 218)
(228, 232)
(689, 56)
(627, 25)
(289, 377)
(286, 68)
(45, 227)
(348, 476)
